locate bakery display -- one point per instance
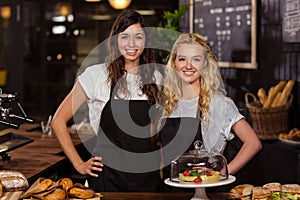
(64, 188)
(292, 135)
(40, 188)
(270, 111)
(199, 167)
(277, 95)
(269, 191)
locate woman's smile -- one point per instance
(189, 72)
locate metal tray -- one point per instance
(11, 141)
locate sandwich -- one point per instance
(275, 190)
(240, 192)
(290, 192)
(261, 193)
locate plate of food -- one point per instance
(200, 192)
(199, 169)
(292, 137)
(191, 184)
(289, 141)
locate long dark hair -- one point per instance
(116, 63)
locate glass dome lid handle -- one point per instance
(197, 144)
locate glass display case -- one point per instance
(199, 169)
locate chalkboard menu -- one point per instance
(229, 26)
(291, 20)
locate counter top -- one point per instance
(44, 155)
(157, 196)
(137, 196)
(38, 158)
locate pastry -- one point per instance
(80, 191)
(57, 194)
(65, 183)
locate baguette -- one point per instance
(276, 100)
(286, 92)
(262, 95)
(273, 91)
(270, 98)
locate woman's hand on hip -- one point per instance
(89, 167)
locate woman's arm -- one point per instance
(64, 113)
(251, 146)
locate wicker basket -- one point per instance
(268, 123)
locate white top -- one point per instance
(216, 129)
(94, 81)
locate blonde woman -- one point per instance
(196, 106)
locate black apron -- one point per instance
(177, 138)
(123, 171)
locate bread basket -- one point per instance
(268, 123)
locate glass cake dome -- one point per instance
(199, 167)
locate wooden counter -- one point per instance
(137, 196)
(157, 196)
(42, 157)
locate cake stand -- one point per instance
(200, 193)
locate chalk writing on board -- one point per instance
(291, 21)
(227, 27)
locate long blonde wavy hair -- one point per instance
(210, 79)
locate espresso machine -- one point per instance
(10, 140)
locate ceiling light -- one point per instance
(119, 4)
(5, 12)
(63, 9)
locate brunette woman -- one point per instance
(119, 94)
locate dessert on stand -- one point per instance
(199, 169)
